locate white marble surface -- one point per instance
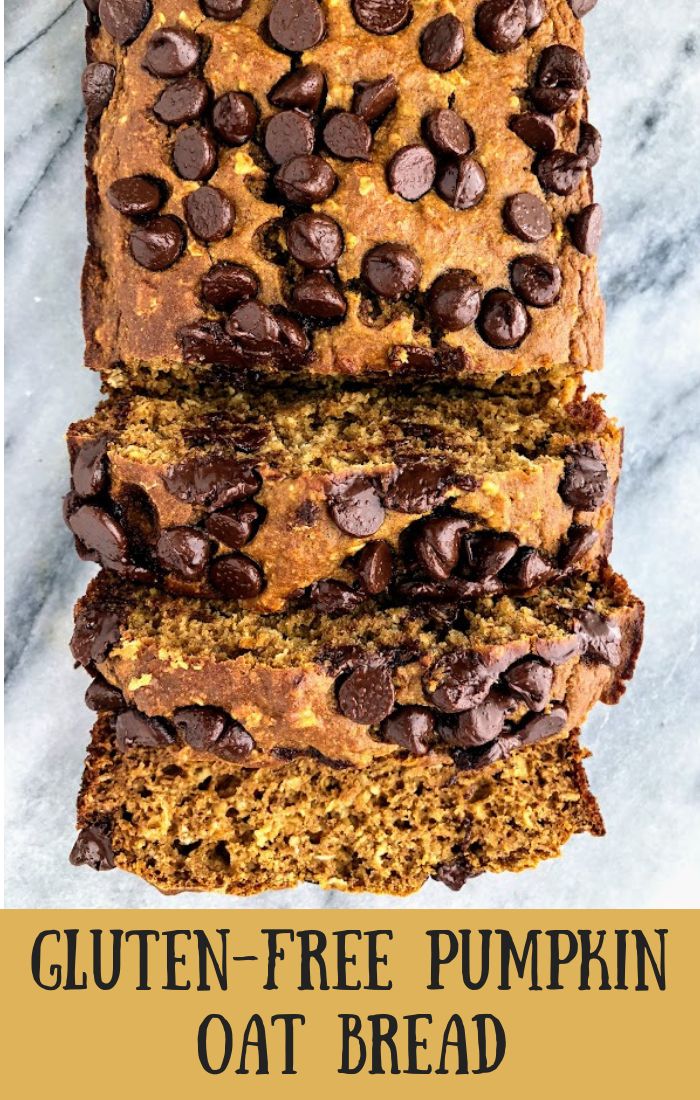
(645, 769)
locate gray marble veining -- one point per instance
(645, 767)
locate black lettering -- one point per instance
(345, 960)
(274, 952)
(289, 1019)
(384, 1028)
(315, 953)
(351, 1028)
(142, 935)
(415, 1044)
(206, 957)
(71, 981)
(644, 952)
(588, 954)
(203, 1041)
(456, 1024)
(509, 953)
(100, 981)
(376, 960)
(54, 968)
(259, 1043)
(437, 959)
(557, 960)
(499, 1047)
(172, 961)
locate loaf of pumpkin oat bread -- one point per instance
(329, 498)
(339, 187)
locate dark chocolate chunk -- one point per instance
(302, 88)
(527, 217)
(316, 296)
(124, 19)
(96, 631)
(212, 481)
(314, 240)
(183, 101)
(586, 229)
(454, 300)
(458, 681)
(226, 10)
(478, 726)
(586, 483)
(461, 183)
(207, 342)
(103, 696)
(536, 281)
(529, 569)
(226, 284)
(535, 13)
(602, 638)
(503, 321)
(89, 472)
(581, 7)
(391, 270)
(487, 552)
(333, 597)
(589, 144)
(536, 130)
(366, 695)
(561, 75)
(255, 327)
(194, 153)
(347, 136)
(237, 576)
(411, 172)
(373, 98)
(501, 24)
(417, 487)
(382, 16)
(289, 134)
(171, 52)
(356, 507)
(296, 25)
(235, 526)
(99, 532)
(234, 118)
(305, 180)
(436, 544)
(580, 538)
(530, 680)
(411, 728)
(185, 551)
(374, 567)
(536, 727)
(209, 729)
(97, 86)
(442, 43)
(295, 342)
(209, 213)
(448, 133)
(93, 848)
(560, 172)
(133, 728)
(453, 874)
(157, 244)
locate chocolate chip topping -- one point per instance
(314, 240)
(538, 726)
(417, 487)
(374, 567)
(99, 532)
(454, 300)
(289, 134)
(486, 553)
(373, 98)
(171, 52)
(157, 244)
(561, 75)
(458, 681)
(235, 526)
(89, 470)
(536, 11)
(382, 16)
(347, 136)
(411, 728)
(135, 729)
(97, 86)
(356, 507)
(586, 229)
(93, 848)
(124, 19)
(579, 540)
(527, 217)
(255, 328)
(306, 180)
(528, 570)
(602, 639)
(411, 172)
(481, 724)
(501, 24)
(331, 597)
(461, 183)
(194, 153)
(447, 133)
(212, 481)
(237, 576)
(503, 321)
(530, 680)
(226, 284)
(96, 631)
(316, 296)
(226, 10)
(581, 7)
(585, 483)
(366, 695)
(589, 144)
(103, 696)
(209, 213)
(234, 118)
(536, 281)
(560, 172)
(536, 130)
(184, 101)
(442, 43)
(296, 25)
(391, 270)
(436, 544)
(209, 729)
(302, 88)
(185, 551)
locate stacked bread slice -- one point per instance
(351, 503)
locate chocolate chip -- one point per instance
(334, 597)
(93, 848)
(209, 729)
(411, 172)
(586, 229)
(185, 551)
(302, 88)
(103, 696)
(536, 130)
(295, 342)
(373, 98)
(539, 726)
(356, 507)
(97, 86)
(560, 171)
(561, 75)
(448, 133)
(98, 531)
(316, 296)
(487, 552)
(461, 183)
(453, 874)
(442, 43)
(476, 727)
(528, 570)
(206, 342)
(135, 729)
(367, 695)
(183, 101)
(348, 136)
(135, 196)
(235, 526)
(234, 118)
(171, 51)
(209, 213)
(296, 25)
(458, 681)
(194, 153)
(589, 144)
(391, 270)
(289, 134)
(585, 484)
(536, 281)
(255, 327)
(124, 19)
(211, 481)
(601, 637)
(530, 680)
(306, 180)
(226, 10)
(382, 16)
(527, 217)
(238, 577)
(96, 631)
(374, 567)
(89, 471)
(581, 7)
(503, 321)
(501, 24)
(454, 300)
(417, 487)
(436, 544)
(580, 538)
(226, 284)
(411, 728)
(157, 244)
(314, 240)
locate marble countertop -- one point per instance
(645, 767)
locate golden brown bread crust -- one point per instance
(188, 822)
(132, 315)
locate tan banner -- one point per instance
(376, 1003)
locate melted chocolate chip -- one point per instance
(373, 98)
(209, 729)
(255, 327)
(157, 244)
(306, 180)
(374, 567)
(234, 118)
(580, 539)
(411, 172)
(581, 7)
(454, 874)
(226, 10)
(93, 848)
(411, 728)
(96, 631)
(185, 551)
(539, 726)
(589, 144)
(501, 24)
(302, 88)
(194, 153)
(442, 43)
(537, 131)
(97, 86)
(356, 507)
(461, 183)
(103, 696)
(536, 281)
(237, 576)
(454, 300)
(530, 680)
(602, 638)
(212, 481)
(417, 487)
(124, 19)
(209, 213)
(235, 526)
(480, 725)
(289, 134)
(585, 484)
(528, 570)
(135, 729)
(586, 229)
(89, 471)
(560, 172)
(316, 296)
(99, 532)
(535, 13)
(347, 136)
(447, 133)
(391, 270)
(171, 51)
(366, 695)
(561, 75)
(314, 240)
(527, 217)
(382, 16)
(184, 101)
(226, 284)
(333, 597)
(436, 544)
(503, 321)
(487, 552)
(458, 681)
(296, 25)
